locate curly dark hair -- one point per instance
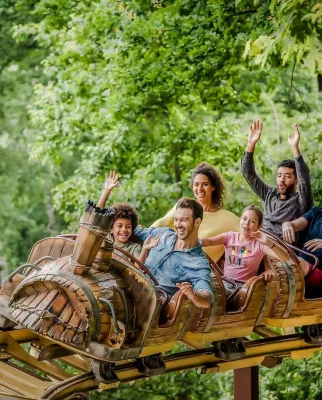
(219, 194)
(125, 210)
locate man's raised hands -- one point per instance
(294, 141)
(254, 135)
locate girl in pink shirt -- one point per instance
(245, 250)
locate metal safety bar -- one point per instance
(27, 265)
(111, 307)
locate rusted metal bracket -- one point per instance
(230, 349)
(104, 372)
(4, 355)
(151, 365)
(271, 362)
(50, 351)
(313, 334)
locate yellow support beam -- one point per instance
(25, 385)
(17, 383)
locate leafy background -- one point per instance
(151, 88)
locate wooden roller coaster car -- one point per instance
(99, 302)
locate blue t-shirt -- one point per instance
(314, 231)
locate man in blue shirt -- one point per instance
(178, 261)
(313, 241)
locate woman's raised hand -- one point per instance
(111, 180)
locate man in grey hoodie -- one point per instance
(283, 203)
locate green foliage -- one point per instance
(293, 380)
(188, 385)
(293, 34)
(26, 212)
(149, 89)
(140, 88)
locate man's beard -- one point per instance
(187, 233)
(289, 190)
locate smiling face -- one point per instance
(202, 188)
(122, 230)
(286, 180)
(184, 223)
(249, 223)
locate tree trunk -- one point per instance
(177, 174)
(320, 82)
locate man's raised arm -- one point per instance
(247, 162)
(302, 171)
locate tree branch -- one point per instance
(298, 92)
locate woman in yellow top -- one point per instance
(209, 190)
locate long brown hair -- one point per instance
(218, 195)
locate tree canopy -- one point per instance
(151, 88)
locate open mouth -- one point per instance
(123, 236)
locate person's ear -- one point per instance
(197, 222)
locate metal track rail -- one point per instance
(33, 379)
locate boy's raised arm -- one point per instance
(111, 181)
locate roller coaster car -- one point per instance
(99, 301)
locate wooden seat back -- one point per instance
(243, 297)
(202, 319)
(173, 309)
(55, 247)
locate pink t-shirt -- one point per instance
(242, 260)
